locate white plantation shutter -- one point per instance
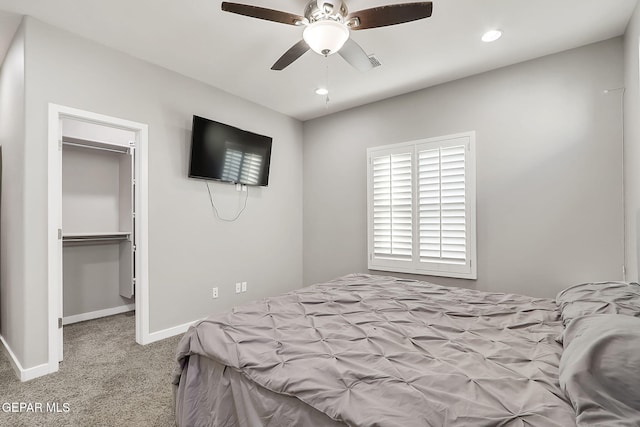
(392, 206)
(421, 207)
(441, 204)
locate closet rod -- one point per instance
(93, 240)
(118, 235)
(113, 150)
(90, 239)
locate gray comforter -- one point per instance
(378, 351)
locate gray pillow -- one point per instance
(600, 369)
(599, 298)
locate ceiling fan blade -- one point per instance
(355, 55)
(295, 52)
(388, 15)
(263, 13)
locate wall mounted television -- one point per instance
(225, 153)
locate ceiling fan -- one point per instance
(327, 27)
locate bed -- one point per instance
(365, 350)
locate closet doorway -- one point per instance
(98, 263)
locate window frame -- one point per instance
(415, 265)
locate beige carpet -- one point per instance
(106, 379)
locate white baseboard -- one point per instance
(169, 332)
(22, 373)
(97, 314)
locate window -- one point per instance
(421, 207)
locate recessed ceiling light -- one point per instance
(491, 36)
(322, 91)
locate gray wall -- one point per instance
(91, 199)
(91, 276)
(91, 190)
(632, 145)
(549, 179)
(190, 251)
(13, 256)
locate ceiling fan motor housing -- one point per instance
(318, 10)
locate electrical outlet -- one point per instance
(238, 287)
(244, 286)
(214, 294)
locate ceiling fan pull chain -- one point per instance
(326, 100)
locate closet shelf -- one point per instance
(85, 143)
(93, 238)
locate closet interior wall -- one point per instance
(97, 220)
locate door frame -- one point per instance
(54, 249)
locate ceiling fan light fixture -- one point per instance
(326, 37)
(491, 36)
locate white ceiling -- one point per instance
(235, 53)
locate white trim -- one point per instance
(411, 144)
(21, 373)
(54, 249)
(170, 332)
(56, 113)
(97, 314)
(142, 237)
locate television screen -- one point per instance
(226, 153)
